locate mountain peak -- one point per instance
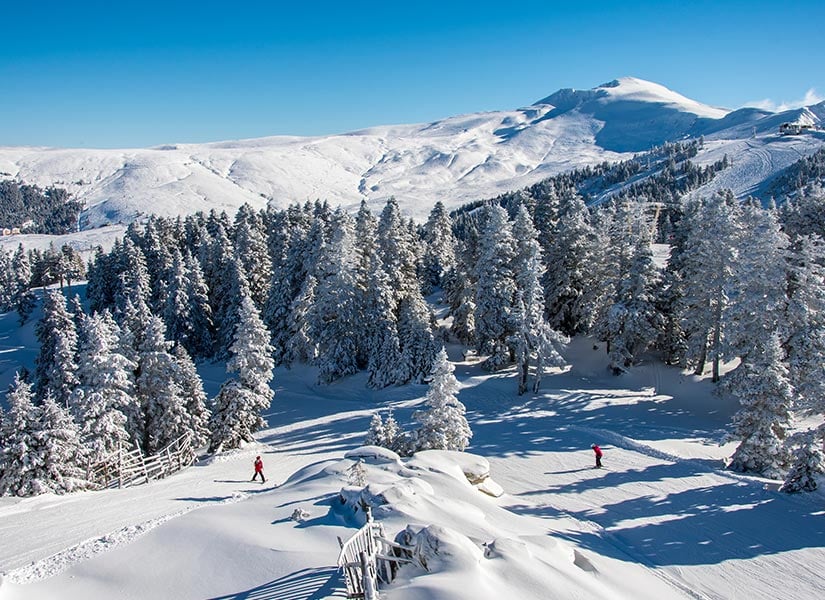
(629, 89)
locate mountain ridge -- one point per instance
(455, 160)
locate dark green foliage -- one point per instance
(35, 210)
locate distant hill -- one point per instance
(455, 160)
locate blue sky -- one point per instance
(121, 74)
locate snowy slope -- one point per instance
(662, 520)
(454, 160)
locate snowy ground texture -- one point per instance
(662, 520)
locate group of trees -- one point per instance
(34, 210)
(520, 274)
(340, 292)
(743, 285)
(22, 270)
(108, 380)
(441, 424)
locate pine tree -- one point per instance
(333, 318)
(249, 241)
(60, 456)
(104, 396)
(19, 427)
(24, 299)
(196, 421)
(158, 390)
(382, 346)
(42, 451)
(396, 248)
(631, 322)
(533, 339)
(439, 246)
(808, 465)
(415, 339)
(375, 434)
(56, 366)
(443, 425)
(238, 406)
(765, 395)
(495, 289)
(805, 323)
(711, 251)
(569, 265)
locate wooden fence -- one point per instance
(131, 467)
(369, 558)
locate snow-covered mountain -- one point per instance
(454, 160)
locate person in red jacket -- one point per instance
(259, 469)
(598, 452)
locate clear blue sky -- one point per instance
(122, 74)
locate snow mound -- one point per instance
(438, 548)
(375, 454)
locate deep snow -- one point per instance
(662, 520)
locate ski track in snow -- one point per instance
(57, 563)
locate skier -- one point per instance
(259, 469)
(598, 452)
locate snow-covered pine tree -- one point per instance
(495, 289)
(381, 344)
(101, 284)
(19, 426)
(396, 248)
(761, 384)
(710, 253)
(158, 390)
(103, 400)
(157, 247)
(249, 241)
(194, 397)
(804, 323)
(758, 305)
(60, 461)
(233, 287)
(7, 283)
(300, 347)
(439, 246)
(569, 266)
(534, 339)
(442, 425)
(808, 464)
(375, 434)
(333, 318)
(632, 320)
(24, 299)
(275, 312)
(42, 451)
(238, 406)
(56, 365)
(415, 339)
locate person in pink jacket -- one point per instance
(259, 469)
(598, 452)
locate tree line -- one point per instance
(347, 293)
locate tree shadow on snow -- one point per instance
(306, 584)
(697, 526)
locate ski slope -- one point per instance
(662, 520)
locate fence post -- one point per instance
(370, 593)
(119, 465)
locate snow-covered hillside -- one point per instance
(454, 160)
(662, 520)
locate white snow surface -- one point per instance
(661, 521)
(454, 160)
